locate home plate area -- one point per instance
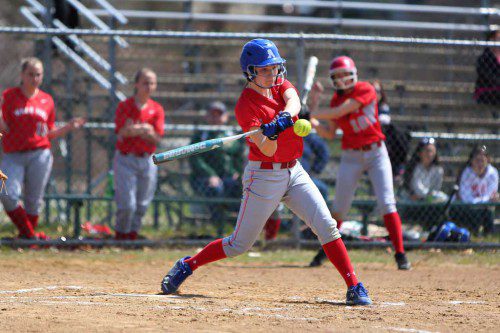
(92, 295)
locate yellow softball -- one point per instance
(302, 127)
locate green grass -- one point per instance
(285, 257)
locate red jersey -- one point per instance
(253, 110)
(360, 127)
(29, 120)
(127, 113)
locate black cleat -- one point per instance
(402, 261)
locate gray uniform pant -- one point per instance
(135, 185)
(352, 165)
(29, 170)
(263, 190)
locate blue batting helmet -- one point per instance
(259, 53)
(444, 232)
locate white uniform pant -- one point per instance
(352, 165)
(262, 192)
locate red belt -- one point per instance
(142, 155)
(368, 147)
(284, 165)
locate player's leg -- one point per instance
(305, 200)
(272, 226)
(262, 192)
(146, 187)
(380, 173)
(125, 191)
(349, 172)
(13, 166)
(37, 176)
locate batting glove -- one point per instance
(284, 121)
(270, 130)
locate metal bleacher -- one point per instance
(429, 87)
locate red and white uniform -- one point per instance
(269, 180)
(27, 158)
(362, 126)
(134, 171)
(127, 113)
(29, 120)
(363, 150)
(253, 110)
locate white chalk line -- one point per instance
(404, 329)
(466, 302)
(34, 290)
(73, 300)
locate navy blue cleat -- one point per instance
(176, 276)
(357, 295)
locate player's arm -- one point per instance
(266, 146)
(327, 130)
(350, 105)
(292, 101)
(73, 124)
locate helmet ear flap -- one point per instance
(250, 73)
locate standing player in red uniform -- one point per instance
(27, 123)
(273, 174)
(139, 125)
(353, 109)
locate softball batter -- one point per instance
(28, 117)
(139, 125)
(353, 108)
(271, 103)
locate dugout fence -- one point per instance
(430, 86)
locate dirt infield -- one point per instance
(117, 291)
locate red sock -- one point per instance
(211, 252)
(392, 222)
(339, 224)
(271, 228)
(20, 220)
(33, 220)
(337, 253)
(121, 235)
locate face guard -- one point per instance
(342, 65)
(278, 79)
(345, 82)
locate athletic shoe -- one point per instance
(176, 276)
(357, 295)
(402, 261)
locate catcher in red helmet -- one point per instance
(353, 109)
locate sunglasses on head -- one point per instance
(428, 141)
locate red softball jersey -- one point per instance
(127, 113)
(253, 110)
(361, 127)
(29, 120)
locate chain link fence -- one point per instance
(444, 93)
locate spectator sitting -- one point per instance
(217, 173)
(397, 140)
(422, 182)
(424, 175)
(488, 73)
(478, 184)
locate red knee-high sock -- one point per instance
(337, 253)
(271, 228)
(211, 252)
(20, 220)
(392, 222)
(33, 220)
(339, 224)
